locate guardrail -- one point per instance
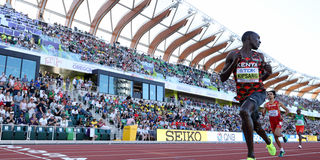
(31, 132)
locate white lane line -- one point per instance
(105, 150)
(135, 149)
(165, 151)
(152, 153)
(207, 155)
(290, 155)
(25, 153)
(21, 158)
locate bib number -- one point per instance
(273, 113)
(247, 75)
(299, 121)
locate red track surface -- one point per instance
(310, 151)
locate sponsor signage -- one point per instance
(66, 64)
(225, 136)
(82, 67)
(52, 61)
(291, 138)
(310, 138)
(201, 91)
(181, 135)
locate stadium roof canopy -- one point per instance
(172, 29)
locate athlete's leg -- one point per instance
(278, 132)
(276, 137)
(299, 132)
(260, 131)
(247, 124)
(300, 138)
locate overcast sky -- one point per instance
(289, 29)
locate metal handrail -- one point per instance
(28, 130)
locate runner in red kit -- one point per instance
(273, 108)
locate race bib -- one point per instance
(247, 75)
(299, 121)
(273, 113)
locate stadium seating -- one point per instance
(32, 131)
(98, 134)
(80, 133)
(20, 133)
(50, 133)
(41, 133)
(7, 133)
(61, 133)
(70, 133)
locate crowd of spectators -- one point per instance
(306, 104)
(45, 101)
(11, 34)
(120, 111)
(97, 51)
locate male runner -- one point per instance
(273, 108)
(249, 69)
(300, 121)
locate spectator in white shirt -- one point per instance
(31, 107)
(74, 103)
(3, 77)
(1, 96)
(141, 133)
(74, 83)
(11, 81)
(43, 95)
(49, 114)
(53, 105)
(8, 100)
(2, 111)
(43, 121)
(64, 122)
(23, 106)
(75, 112)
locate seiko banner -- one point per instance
(181, 135)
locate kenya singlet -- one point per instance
(274, 111)
(248, 76)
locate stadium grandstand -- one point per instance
(127, 71)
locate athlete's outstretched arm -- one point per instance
(264, 110)
(305, 120)
(231, 62)
(294, 119)
(285, 108)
